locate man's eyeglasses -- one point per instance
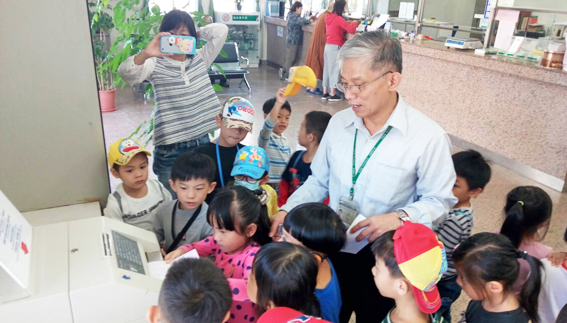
(355, 89)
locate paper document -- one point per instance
(351, 245)
(378, 22)
(158, 269)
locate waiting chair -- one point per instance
(231, 66)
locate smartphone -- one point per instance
(175, 44)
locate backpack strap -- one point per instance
(160, 185)
(119, 200)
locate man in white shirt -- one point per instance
(382, 159)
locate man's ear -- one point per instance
(114, 172)
(251, 230)
(153, 314)
(476, 192)
(212, 187)
(394, 81)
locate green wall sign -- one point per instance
(244, 17)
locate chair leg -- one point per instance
(247, 84)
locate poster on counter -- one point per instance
(15, 245)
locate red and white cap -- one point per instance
(288, 315)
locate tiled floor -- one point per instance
(264, 81)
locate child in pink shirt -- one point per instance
(528, 213)
(241, 225)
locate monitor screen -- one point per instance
(127, 253)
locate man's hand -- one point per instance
(276, 221)
(376, 226)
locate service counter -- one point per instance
(277, 43)
(516, 115)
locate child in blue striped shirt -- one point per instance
(276, 114)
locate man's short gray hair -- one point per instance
(375, 47)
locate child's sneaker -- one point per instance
(325, 96)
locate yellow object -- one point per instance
(423, 269)
(123, 150)
(272, 204)
(300, 76)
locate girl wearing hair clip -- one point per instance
(528, 214)
(241, 225)
(487, 267)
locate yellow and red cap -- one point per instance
(422, 259)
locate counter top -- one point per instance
(437, 50)
(280, 21)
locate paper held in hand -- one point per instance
(158, 269)
(351, 245)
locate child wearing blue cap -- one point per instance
(250, 170)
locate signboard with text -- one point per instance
(15, 251)
(238, 18)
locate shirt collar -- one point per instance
(398, 119)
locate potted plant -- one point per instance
(238, 4)
(101, 25)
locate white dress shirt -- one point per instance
(411, 170)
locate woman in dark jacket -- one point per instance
(294, 37)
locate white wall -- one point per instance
(51, 142)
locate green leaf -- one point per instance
(137, 129)
(221, 70)
(155, 10)
(217, 88)
(223, 53)
(149, 139)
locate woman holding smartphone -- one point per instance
(185, 101)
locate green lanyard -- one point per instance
(355, 174)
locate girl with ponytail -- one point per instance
(284, 275)
(528, 213)
(487, 268)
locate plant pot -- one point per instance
(238, 6)
(107, 100)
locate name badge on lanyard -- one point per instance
(348, 208)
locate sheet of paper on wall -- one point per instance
(403, 9)
(506, 27)
(506, 3)
(410, 8)
(158, 269)
(351, 245)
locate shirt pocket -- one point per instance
(386, 186)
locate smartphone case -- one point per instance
(175, 44)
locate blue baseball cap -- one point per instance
(251, 161)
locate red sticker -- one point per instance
(25, 248)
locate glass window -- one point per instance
(168, 5)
